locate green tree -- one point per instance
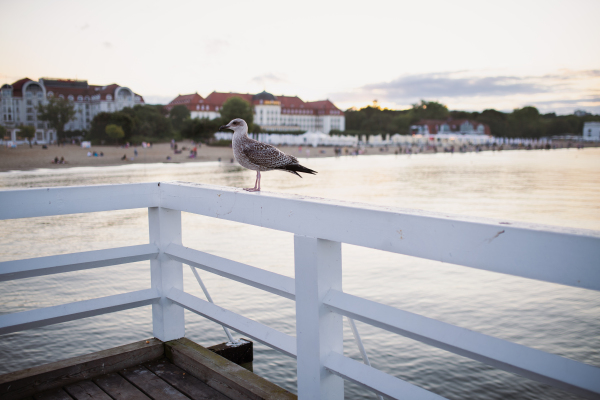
(114, 132)
(2, 131)
(429, 110)
(28, 132)
(177, 115)
(150, 123)
(101, 120)
(57, 112)
(525, 122)
(200, 129)
(236, 107)
(497, 121)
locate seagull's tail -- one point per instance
(295, 168)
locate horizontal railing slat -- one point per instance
(375, 380)
(27, 203)
(71, 311)
(552, 254)
(570, 375)
(255, 330)
(268, 281)
(19, 269)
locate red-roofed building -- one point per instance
(273, 113)
(450, 126)
(21, 99)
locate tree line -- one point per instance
(154, 123)
(526, 122)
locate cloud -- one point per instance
(215, 46)
(268, 78)
(565, 88)
(410, 88)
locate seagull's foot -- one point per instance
(252, 189)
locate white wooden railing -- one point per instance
(559, 255)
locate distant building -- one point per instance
(272, 113)
(591, 131)
(456, 126)
(20, 100)
(581, 113)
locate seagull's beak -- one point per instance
(224, 127)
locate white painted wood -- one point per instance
(27, 203)
(167, 318)
(19, 269)
(210, 300)
(375, 380)
(268, 281)
(553, 254)
(361, 348)
(570, 375)
(255, 330)
(318, 266)
(71, 311)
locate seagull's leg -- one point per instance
(256, 182)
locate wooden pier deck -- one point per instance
(149, 369)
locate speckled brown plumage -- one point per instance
(257, 156)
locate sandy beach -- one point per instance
(25, 158)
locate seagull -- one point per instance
(257, 156)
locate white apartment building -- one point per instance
(20, 100)
(591, 131)
(272, 113)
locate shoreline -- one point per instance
(24, 158)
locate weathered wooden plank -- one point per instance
(186, 383)
(522, 249)
(119, 388)
(80, 309)
(55, 394)
(19, 269)
(19, 384)
(27, 203)
(151, 384)
(224, 376)
(86, 390)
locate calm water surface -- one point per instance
(559, 187)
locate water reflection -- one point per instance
(556, 187)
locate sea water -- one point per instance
(558, 187)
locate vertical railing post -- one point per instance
(318, 265)
(167, 318)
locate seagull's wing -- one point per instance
(267, 156)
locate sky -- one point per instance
(469, 55)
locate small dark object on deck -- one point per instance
(239, 354)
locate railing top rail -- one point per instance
(522, 249)
(44, 202)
